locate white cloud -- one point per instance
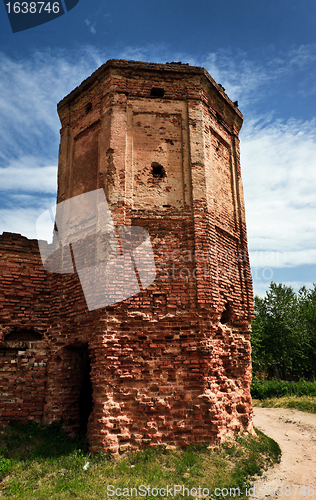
(241, 77)
(29, 130)
(303, 55)
(23, 176)
(99, 18)
(21, 217)
(91, 26)
(260, 289)
(29, 93)
(282, 259)
(279, 175)
(252, 80)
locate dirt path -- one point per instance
(295, 431)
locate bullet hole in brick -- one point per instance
(157, 171)
(226, 314)
(88, 108)
(23, 334)
(241, 409)
(159, 300)
(228, 408)
(157, 92)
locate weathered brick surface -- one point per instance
(171, 364)
(24, 305)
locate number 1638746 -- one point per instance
(33, 7)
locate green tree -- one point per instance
(307, 319)
(278, 344)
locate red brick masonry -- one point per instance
(172, 364)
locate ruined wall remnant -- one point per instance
(24, 305)
(172, 363)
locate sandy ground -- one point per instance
(295, 431)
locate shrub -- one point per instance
(264, 389)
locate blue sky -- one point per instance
(262, 52)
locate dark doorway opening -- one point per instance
(85, 399)
(78, 389)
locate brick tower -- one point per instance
(172, 363)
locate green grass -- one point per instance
(302, 403)
(38, 462)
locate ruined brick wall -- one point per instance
(24, 306)
(172, 363)
(22, 381)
